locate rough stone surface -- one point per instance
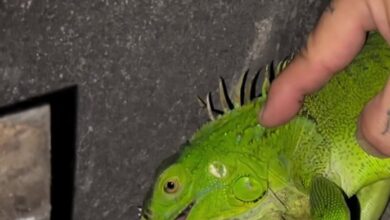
(139, 66)
(25, 165)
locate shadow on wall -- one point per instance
(63, 126)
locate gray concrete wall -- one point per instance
(138, 67)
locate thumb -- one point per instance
(374, 125)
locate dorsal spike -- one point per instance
(283, 64)
(266, 81)
(243, 85)
(279, 67)
(288, 60)
(271, 70)
(247, 90)
(244, 91)
(224, 99)
(210, 108)
(253, 85)
(239, 90)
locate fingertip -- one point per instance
(267, 120)
(282, 105)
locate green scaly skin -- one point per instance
(233, 168)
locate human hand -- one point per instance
(336, 40)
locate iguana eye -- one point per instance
(171, 186)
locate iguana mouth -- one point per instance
(183, 214)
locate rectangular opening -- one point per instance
(63, 126)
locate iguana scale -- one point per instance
(310, 168)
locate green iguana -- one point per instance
(310, 168)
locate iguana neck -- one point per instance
(301, 151)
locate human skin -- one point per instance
(336, 40)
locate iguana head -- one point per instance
(231, 185)
(209, 183)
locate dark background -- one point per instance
(138, 67)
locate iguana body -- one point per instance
(233, 168)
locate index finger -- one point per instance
(336, 40)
